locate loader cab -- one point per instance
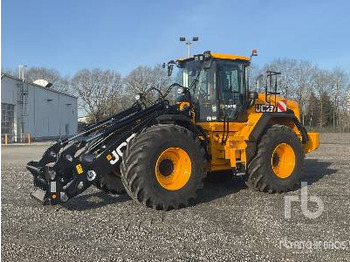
(217, 85)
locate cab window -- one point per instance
(205, 95)
(231, 90)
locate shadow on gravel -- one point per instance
(218, 185)
(94, 201)
(315, 170)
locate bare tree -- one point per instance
(296, 81)
(321, 85)
(253, 73)
(304, 75)
(287, 80)
(98, 92)
(59, 82)
(143, 77)
(338, 91)
(346, 110)
(9, 71)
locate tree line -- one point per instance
(323, 95)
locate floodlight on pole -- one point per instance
(188, 43)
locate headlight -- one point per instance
(199, 57)
(180, 90)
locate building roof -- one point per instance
(39, 86)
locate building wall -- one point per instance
(8, 91)
(48, 113)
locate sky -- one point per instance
(120, 35)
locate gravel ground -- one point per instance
(229, 222)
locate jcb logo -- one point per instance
(264, 108)
(117, 153)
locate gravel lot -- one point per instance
(229, 222)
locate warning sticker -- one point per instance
(79, 169)
(281, 106)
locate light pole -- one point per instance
(188, 43)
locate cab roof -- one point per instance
(221, 56)
(229, 57)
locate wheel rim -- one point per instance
(283, 160)
(173, 168)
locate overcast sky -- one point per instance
(120, 35)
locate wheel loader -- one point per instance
(159, 152)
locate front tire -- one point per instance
(277, 165)
(111, 183)
(164, 167)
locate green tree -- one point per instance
(313, 111)
(326, 118)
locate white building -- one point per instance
(42, 112)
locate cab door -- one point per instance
(231, 91)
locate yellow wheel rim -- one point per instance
(173, 168)
(283, 160)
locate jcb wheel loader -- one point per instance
(160, 152)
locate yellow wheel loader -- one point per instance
(160, 152)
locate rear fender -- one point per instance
(268, 119)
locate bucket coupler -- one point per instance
(70, 166)
(59, 181)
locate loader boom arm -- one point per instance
(70, 166)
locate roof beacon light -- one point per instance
(254, 53)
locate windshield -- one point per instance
(188, 73)
(204, 92)
(219, 91)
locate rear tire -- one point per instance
(164, 167)
(277, 165)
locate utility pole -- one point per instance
(188, 43)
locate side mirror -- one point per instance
(170, 69)
(253, 95)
